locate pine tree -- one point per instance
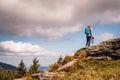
(60, 60)
(21, 69)
(35, 67)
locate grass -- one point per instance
(93, 70)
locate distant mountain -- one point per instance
(44, 68)
(6, 66)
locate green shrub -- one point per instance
(60, 59)
(7, 74)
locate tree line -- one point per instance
(21, 70)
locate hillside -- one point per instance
(6, 66)
(99, 62)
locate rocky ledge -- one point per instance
(109, 49)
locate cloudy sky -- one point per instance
(47, 29)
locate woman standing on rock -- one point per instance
(88, 32)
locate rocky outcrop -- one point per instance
(108, 49)
(66, 65)
(47, 75)
(44, 75)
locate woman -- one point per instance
(88, 32)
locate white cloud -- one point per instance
(54, 18)
(13, 52)
(104, 36)
(24, 49)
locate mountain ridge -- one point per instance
(7, 66)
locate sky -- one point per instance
(46, 29)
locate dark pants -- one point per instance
(88, 41)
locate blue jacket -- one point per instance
(87, 31)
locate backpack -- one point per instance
(87, 31)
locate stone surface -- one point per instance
(67, 65)
(109, 48)
(44, 75)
